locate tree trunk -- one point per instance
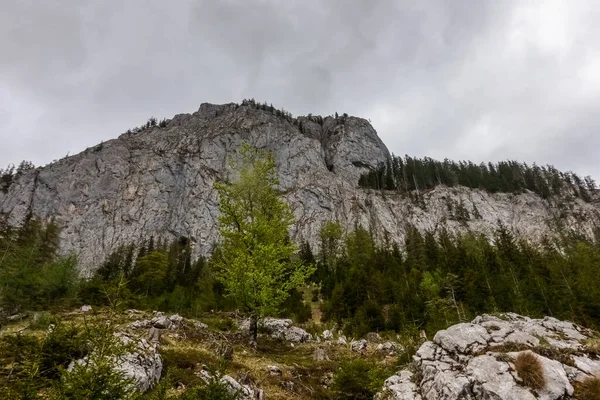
(253, 330)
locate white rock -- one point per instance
(359, 346)
(161, 322)
(86, 308)
(141, 324)
(274, 370)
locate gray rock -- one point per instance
(200, 325)
(342, 341)
(557, 383)
(161, 322)
(274, 370)
(320, 354)
(153, 335)
(373, 337)
(389, 348)
(176, 319)
(281, 329)
(492, 380)
(327, 335)
(86, 308)
(297, 335)
(234, 387)
(17, 317)
(160, 182)
(141, 324)
(464, 362)
(359, 346)
(399, 387)
(143, 364)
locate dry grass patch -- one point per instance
(589, 389)
(592, 345)
(530, 370)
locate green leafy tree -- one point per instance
(256, 264)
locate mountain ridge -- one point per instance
(157, 181)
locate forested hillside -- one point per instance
(412, 173)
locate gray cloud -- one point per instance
(483, 80)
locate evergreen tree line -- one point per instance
(151, 123)
(428, 282)
(165, 276)
(439, 280)
(418, 174)
(32, 274)
(297, 121)
(10, 173)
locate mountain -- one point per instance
(157, 180)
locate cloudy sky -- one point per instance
(480, 80)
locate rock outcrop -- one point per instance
(280, 329)
(159, 182)
(478, 360)
(142, 364)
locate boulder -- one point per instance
(142, 363)
(388, 348)
(399, 387)
(274, 370)
(200, 325)
(161, 322)
(281, 329)
(141, 324)
(373, 337)
(476, 361)
(359, 346)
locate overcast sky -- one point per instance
(479, 79)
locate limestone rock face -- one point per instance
(476, 361)
(159, 182)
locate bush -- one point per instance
(42, 320)
(37, 361)
(95, 376)
(214, 390)
(530, 370)
(95, 379)
(358, 379)
(589, 389)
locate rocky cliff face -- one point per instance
(159, 182)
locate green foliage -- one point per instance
(214, 390)
(410, 173)
(32, 275)
(443, 279)
(358, 379)
(256, 263)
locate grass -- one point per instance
(185, 355)
(530, 370)
(589, 389)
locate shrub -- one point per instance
(589, 389)
(214, 390)
(358, 379)
(530, 370)
(42, 320)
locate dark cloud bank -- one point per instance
(484, 80)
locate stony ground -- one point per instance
(290, 362)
